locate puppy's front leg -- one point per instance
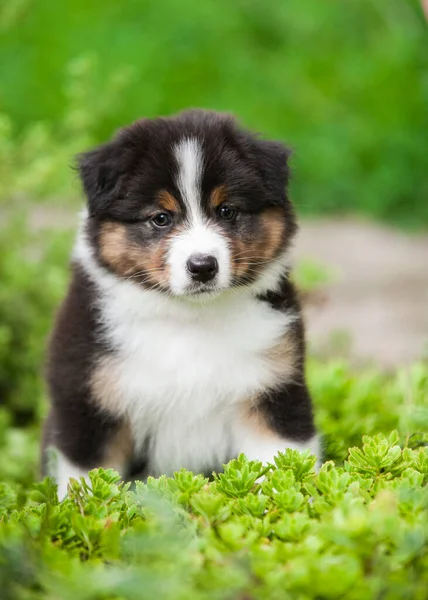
(66, 470)
(258, 446)
(78, 446)
(279, 419)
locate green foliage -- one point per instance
(33, 277)
(350, 405)
(36, 163)
(309, 275)
(358, 531)
(345, 85)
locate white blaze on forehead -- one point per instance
(199, 236)
(189, 157)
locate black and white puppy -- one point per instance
(180, 342)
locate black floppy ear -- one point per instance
(272, 161)
(102, 172)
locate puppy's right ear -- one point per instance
(102, 172)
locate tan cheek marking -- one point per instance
(168, 202)
(218, 196)
(263, 248)
(241, 253)
(274, 227)
(157, 261)
(127, 258)
(114, 248)
(249, 257)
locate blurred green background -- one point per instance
(344, 83)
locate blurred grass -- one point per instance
(344, 83)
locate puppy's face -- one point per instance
(190, 205)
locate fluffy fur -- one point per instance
(180, 342)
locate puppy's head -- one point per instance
(190, 205)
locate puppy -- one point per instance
(180, 342)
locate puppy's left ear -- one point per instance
(272, 161)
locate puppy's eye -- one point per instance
(162, 220)
(227, 213)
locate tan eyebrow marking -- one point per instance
(218, 196)
(168, 202)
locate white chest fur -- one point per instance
(182, 369)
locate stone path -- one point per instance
(381, 295)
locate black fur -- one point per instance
(75, 425)
(289, 407)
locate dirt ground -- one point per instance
(380, 295)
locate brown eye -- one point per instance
(226, 213)
(162, 220)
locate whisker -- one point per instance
(246, 264)
(143, 272)
(256, 258)
(241, 253)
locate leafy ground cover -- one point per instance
(358, 531)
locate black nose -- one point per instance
(202, 267)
